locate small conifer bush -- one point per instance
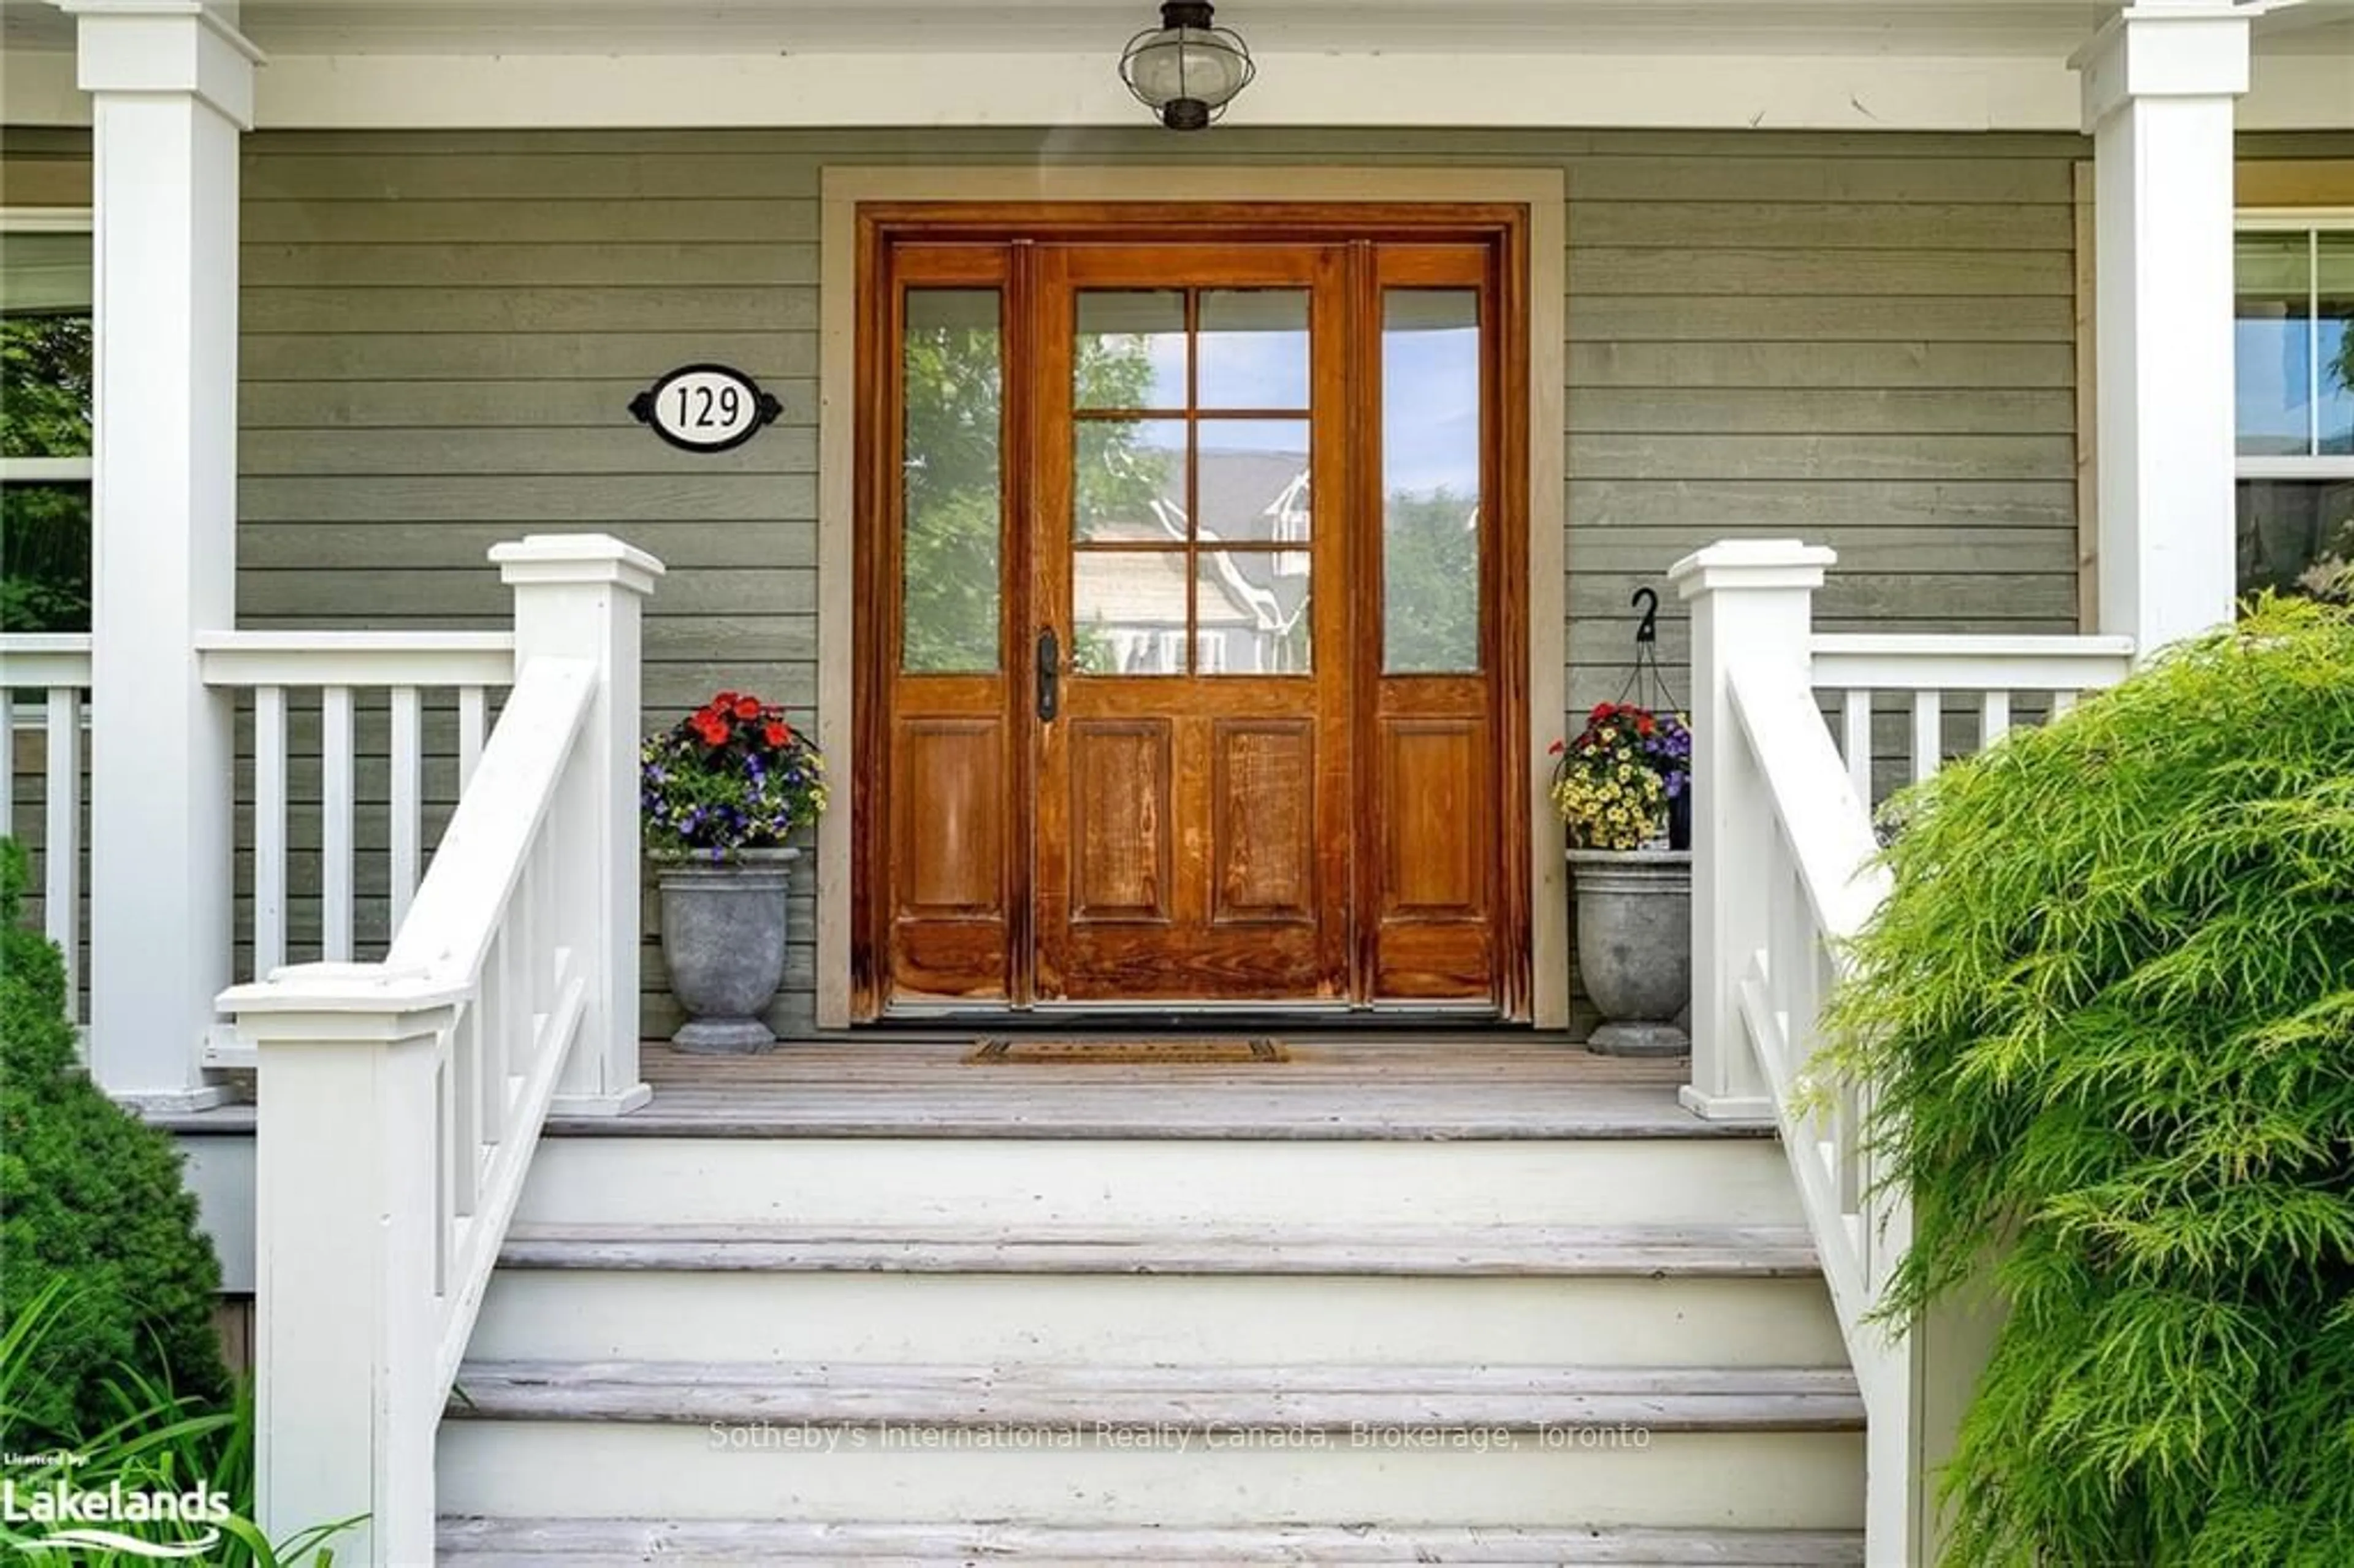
(2110, 1004)
(92, 1213)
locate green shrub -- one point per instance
(89, 1196)
(2111, 1002)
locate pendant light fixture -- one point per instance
(1187, 69)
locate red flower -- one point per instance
(747, 707)
(1556, 748)
(724, 700)
(712, 728)
(1643, 724)
(1601, 710)
(776, 734)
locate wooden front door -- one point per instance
(1187, 615)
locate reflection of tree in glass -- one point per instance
(953, 390)
(44, 400)
(1430, 568)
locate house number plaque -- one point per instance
(707, 407)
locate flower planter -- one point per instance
(1634, 946)
(722, 939)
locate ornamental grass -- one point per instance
(2110, 1007)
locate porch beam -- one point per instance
(2159, 86)
(171, 84)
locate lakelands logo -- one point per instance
(92, 1517)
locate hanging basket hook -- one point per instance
(1647, 600)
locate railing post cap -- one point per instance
(1752, 564)
(576, 558)
(357, 1002)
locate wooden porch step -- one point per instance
(1165, 1401)
(616, 1543)
(1397, 1251)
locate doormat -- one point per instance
(1119, 1052)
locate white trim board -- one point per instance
(1859, 91)
(1542, 191)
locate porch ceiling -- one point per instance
(1903, 27)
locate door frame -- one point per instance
(1541, 193)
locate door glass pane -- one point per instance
(1251, 613)
(952, 395)
(1254, 348)
(1254, 482)
(2334, 285)
(45, 412)
(1128, 480)
(1430, 480)
(1131, 352)
(2272, 341)
(1128, 612)
(2298, 536)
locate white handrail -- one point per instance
(400, 1101)
(1787, 874)
(455, 672)
(56, 664)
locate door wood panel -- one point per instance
(1234, 799)
(1263, 815)
(1121, 822)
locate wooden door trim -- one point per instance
(1538, 349)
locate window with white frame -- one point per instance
(2294, 343)
(45, 420)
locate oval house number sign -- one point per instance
(707, 407)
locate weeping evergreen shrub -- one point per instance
(93, 1214)
(2111, 1006)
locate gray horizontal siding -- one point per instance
(1862, 340)
(1865, 340)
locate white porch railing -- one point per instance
(400, 1101)
(451, 675)
(57, 665)
(1785, 875)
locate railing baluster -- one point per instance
(524, 914)
(514, 1015)
(269, 829)
(465, 1073)
(61, 847)
(1928, 735)
(406, 806)
(489, 1010)
(1994, 717)
(543, 879)
(1856, 717)
(446, 1148)
(335, 794)
(472, 711)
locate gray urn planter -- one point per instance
(1634, 946)
(722, 939)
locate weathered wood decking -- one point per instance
(1423, 1085)
(1430, 1085)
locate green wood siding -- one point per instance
(1864, 340)
(1867, 341)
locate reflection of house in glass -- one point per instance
(1250, 609)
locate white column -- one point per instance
(578, 597)
(172, 89)
(347, 1231)
(2158, 84)
(1752, 601)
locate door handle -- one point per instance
(1050, 673)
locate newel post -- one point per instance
(348, 1252)
(1752, 603)
(579, 595)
